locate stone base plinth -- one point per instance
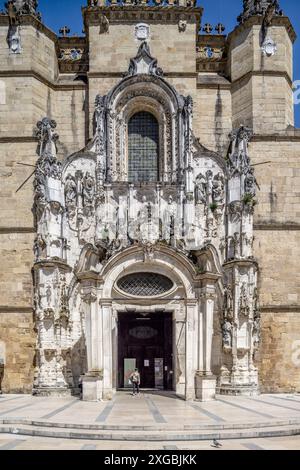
(52, 392)
(92, 388)
(235, 390)
(205, 387)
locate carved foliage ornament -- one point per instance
(144, 63)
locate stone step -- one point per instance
(156, 428)
(152, 436)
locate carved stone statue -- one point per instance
(70, 191)
(250, 183)
(88, 190)
(228, 302)
(200, 189)
(218, 189)
(244, 308)
(227, 334)
(39, 247)
(238, 159)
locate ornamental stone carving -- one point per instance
(94, 227)
(22, 7)
(260, 7)
(144, 63)
(269, 47)
(142, 31)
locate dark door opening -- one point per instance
(146, 342)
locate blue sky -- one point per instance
(57, 13)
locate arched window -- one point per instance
(143, 148)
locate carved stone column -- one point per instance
(92, 380)
(107, 360)
(191, 312)
(205, 381)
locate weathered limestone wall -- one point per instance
(110, 52)
(279, 180)
(17, 334)
(16, 315)
(69, 111)
(16, 207)
(212, 120)
(262, 95)
(15, 272)
(38, 53)
(279, 369)
(277, 249)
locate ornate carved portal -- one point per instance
(181, 245)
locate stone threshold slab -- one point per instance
(281, 431)
(157, 428)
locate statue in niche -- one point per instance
(228, 302)
(244, 308)
(200, 189)
(209, 186)
(256, 331)
(250, 183)
(227, 334)
(169, 220)
(218, 189)
(88, 189)
(70, 191)
(39, 247)
(144, 219)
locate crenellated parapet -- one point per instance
(142, 3)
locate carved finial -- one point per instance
(47, 137)
(259, 7)
(22, 7)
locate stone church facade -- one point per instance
(149, 202)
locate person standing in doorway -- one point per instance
(135, 380)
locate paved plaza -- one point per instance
(8, 442)
(160, 420)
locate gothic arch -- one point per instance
(141, 90)
(163, 260)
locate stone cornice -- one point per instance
(264, 309)
(17, 139)
(276, 137)
(241, 262)
(280, 309)
(258, 20)
(275, 226)
(261, 73)
(8, 230)
(52, 263)
(15, 309)
(54, 85)
(121, 74)
(29, 20)
(154, 14)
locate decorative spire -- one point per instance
(259, 7)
